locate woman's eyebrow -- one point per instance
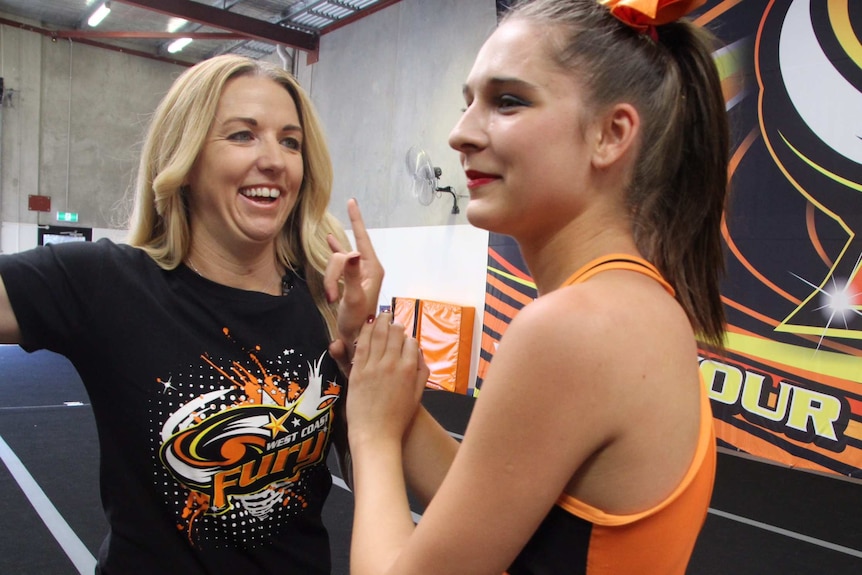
(500, 82)
(253, 122)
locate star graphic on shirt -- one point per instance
(276, 424)
(296, 422)
(166, 384)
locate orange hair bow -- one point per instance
(644, 15)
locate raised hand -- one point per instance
(386, 382)
(362, 276)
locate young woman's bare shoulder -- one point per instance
(579, 311)
(626, 306)
(559, 332)
(589, 327)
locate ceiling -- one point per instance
(248, 27)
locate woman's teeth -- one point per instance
(261, 193)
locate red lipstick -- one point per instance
(476, 179)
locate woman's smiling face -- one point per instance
(247, 177)
(521, 138)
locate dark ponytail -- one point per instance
(678, 187)
(679, 228)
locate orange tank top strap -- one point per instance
(618, 262)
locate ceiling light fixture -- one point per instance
(99, 14)
(175, 24)
(178, 45)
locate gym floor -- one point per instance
(764, 519)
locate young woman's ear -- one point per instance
(616, 134)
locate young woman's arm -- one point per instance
(530, 429)
(428, 453)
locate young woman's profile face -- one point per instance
(521, 139)
(247, 176)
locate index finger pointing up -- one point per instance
(360, 234)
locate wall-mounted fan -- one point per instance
(425, 176)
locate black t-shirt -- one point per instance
(214, 407)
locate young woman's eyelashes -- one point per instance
(510, 102)
(504, 102)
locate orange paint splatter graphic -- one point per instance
(240, 453)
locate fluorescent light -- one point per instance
(99, 15)
(175, 24)
(178, 45)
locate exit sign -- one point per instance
(67, 216)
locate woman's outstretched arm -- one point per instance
(9, 330)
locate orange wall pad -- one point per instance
(445, 334)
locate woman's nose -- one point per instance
(271, 154)
(467, 134)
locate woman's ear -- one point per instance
(616, 134)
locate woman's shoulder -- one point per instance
(91, 248)
(597, 323)
(119, 249)
(620, 302)
(556, 332)
(583, 310)
(103, 260)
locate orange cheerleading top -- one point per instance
(577, 538)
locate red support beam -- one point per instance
(248, 27)
(53, 35)
(77, 34)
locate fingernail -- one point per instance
(370, 319)
(353, 260)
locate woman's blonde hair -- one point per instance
(159, 222)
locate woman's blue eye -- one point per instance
(292, 143)
(243, 136)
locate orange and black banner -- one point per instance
(790, 386)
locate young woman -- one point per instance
(203, 343)
(596, 136)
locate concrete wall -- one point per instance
(72, 127)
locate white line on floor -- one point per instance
(792, 534)
(77, 552)
(64, 404)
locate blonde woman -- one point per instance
(203, 343)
